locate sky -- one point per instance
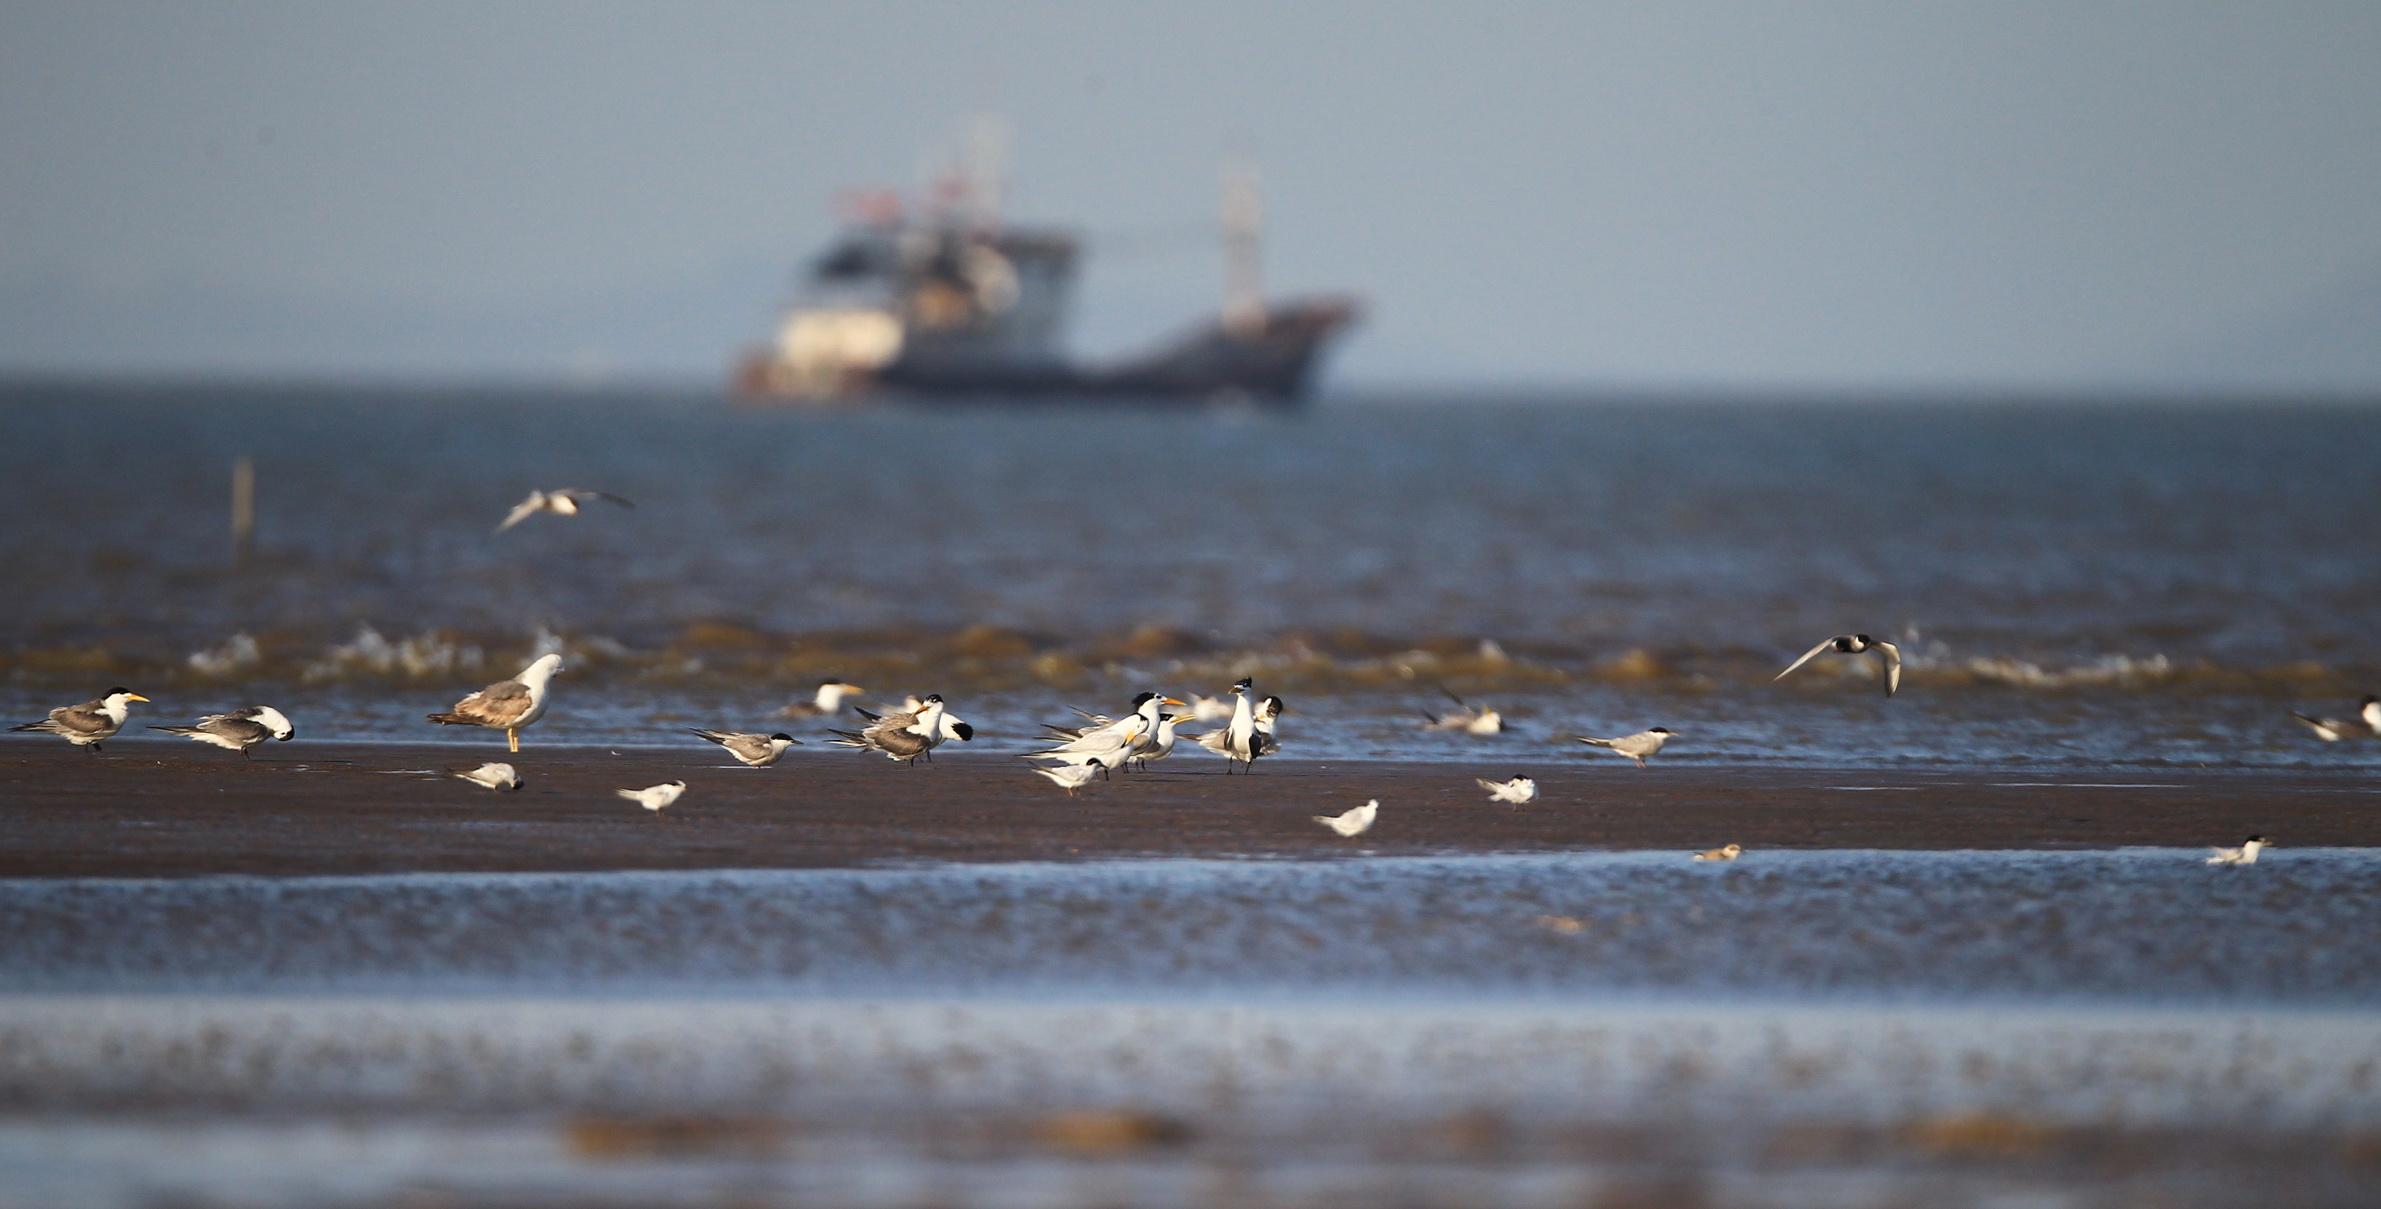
(1678, 195)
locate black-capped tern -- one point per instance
(2246, 854)
(1353, 823)
(756, 751)
(1637, 746)
(238, 730)
(508, 705)
(90, 724)
(563, 502)
(1070, 777)
(499, 777)
(655, 797)
(1855, 644)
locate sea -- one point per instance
(2075, 584)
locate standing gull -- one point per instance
(1520, 791)
(654, 797)
(1637, 746)
(508, 705)
(757, 751)
(1355, 822)
(563, 502)
(91, 723)
(1855, 644)
(499, 777)
(238, 730)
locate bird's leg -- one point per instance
(513, 738)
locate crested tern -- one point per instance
(756, 751)
(2331, 730)
(91, 723)
(1107, 747)
(1726, 852)
(825, 703)
(1855, 644)
(1353, 823)
(654, 797)
(238, 730)
(1637, 746)
(508, 705)
(2246, 854)
(1520, 791)
(1159, 743)
(562, 502)
(904, 735)
(1070, 777)
(499, 777)
(1466, 718)
(952, 727)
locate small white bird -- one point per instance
(1071, 777)
(1520, 791)
(499, 777)
(1471, 721)
(1637, 746)
(2246, 854)
(825, 703)
(90, 724)
(508, 705)
(1855, 644)
(2331, 730)
(238, 730)
(1210, 709)
(1355, 822)
(654, 797)
(564, 502)
(1727, 852)
(757, 751)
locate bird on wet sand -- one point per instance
(2246, 854)
(507, 705)
(90, 724)
(1354, 822)
(654, 797)
(1520, 791)
(1726, 852)
(561, 502)
(907, 735)
(756, 751)
(499, 777)
(1071, 777)
(239, 729)
(1854, 644)
(1637, 746)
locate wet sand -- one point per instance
(156, 809)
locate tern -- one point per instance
(91, 723)
(1355, 822)
(654, 797)
(1855, 644)
(1726, 852)
(499, 777)
(2246, 854)
(1637, 746)
(1465, 718)
(564, 502)
(1158, 744)
(507, 705)
(1239, 743)
(1071, 777)
(757, 751)
(2332, 730)
(1265, 717)
(1107, 747)
(952, 727)
(905, 735)
(1211, 709)
(238, 730)
(826, 703)
(1520, 791)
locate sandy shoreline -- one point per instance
(153, 809)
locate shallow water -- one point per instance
(2073, 583)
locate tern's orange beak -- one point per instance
(134, 697)
(1169, 701)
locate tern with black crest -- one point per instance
(238, 730)
(1855, 644)
(756, 751)
(1637, 746)
(2246, 854)
(90, 724)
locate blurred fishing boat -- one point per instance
(944, 301)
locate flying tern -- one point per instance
(1637, 746)
(238, 730)
(654, 797)
(507, 705)
(1353, 823)
(1520, 791)
(2331, 730)
(2246, 854)
(563, 502)
(1855, 644)
(757, 751)
(499, 777)
(91, 723)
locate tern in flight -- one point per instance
(1854, 644)
(564, 502)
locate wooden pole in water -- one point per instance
(243, 511)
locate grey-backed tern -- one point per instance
(1353, 823)
(1071, 777)
(1855, 644)
(1520, 791)
(2246, 854)
(904, 735)
(1637, 746)
(563, 502)
(507, 705)
(90, 724)
(756, 751)
(499, 777)
(654, 797)
(2331, 730)
(1726, 852)
(238, 730)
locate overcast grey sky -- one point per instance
(1692, 194)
